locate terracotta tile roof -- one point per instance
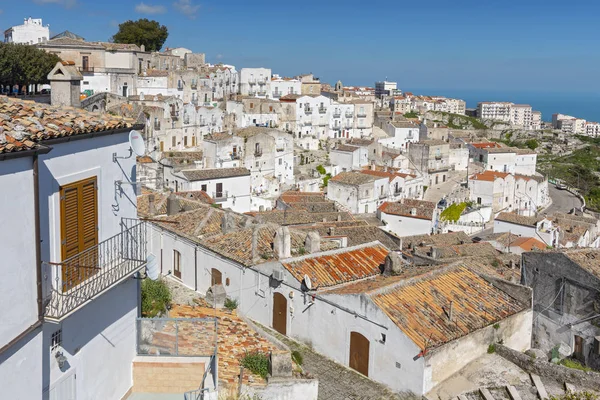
(215, 173)
(445, 239)
(346, 148)
(485, 145)
(489, 176)
(528, 244)
(383, 174)
(459, 250)
(297, 217)
(144, 160)
(536, 178)
(410, 208)
(237, 245)
(24, 123)
(501, 150)
(234, 339)
(502, 266)
(357, 233)
(292, 197)
(353, 178)
(360, 142)
(518, 219)
(156, 73)
(588, 259)
(218, 136)
(338, 267)
(420, 307)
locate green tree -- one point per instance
(151, 34)
(23, 65)
(532, 144)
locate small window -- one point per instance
(56, 340)
(203, 188)
(185, 141)
(177, 264)
(251, 105)
(173, 141)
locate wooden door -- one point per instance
(177, 264)
(216, 278)
(578, 350)
(359, 353)
(79, 232)
(280, 313)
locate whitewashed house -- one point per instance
(359, 193)
(229, 187)
(313, 116)
(70, 330)
(399, 135)
(538, 227)
(32, 31)
(349, 157)
(531, 194)
(409, 217)
(496, 189)
(281, 86)
(255, 82)
(222, 150)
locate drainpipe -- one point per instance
(196, 268)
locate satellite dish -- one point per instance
(152, 267)
(136, 141)
(307, 282)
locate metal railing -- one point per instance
(361, 115)
(307, 110)
(235, 156)
(337, 114)
(175, 114)
(251, 93)
(86, 69)
(194, 86)
(258, 153)
(349, 114)
(78, 279)
(276, 95)
(220, 196)
(157, 126)
(262, 92)
(322, 110)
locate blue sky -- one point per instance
(529, 45)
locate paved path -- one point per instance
(337, 382)
(562, 200)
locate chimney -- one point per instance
(434, 252)
(227, 223)
(373, 168)
(65, 83)
(254, 243)
(331, 231)
(451, 310)
(312, 244)
(392, 264)
(143, 48)
(339, 217)
(172, 204)
(282, 243)
(151, 208)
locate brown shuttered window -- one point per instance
(79, 231)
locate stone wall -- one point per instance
(167, 374)
(581, 379)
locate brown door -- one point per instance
(578, 350)
(219, 190)
(216, 278)
(359, 353)
(280, 313)
(177, 264)
(79, 231)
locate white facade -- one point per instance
(458, 157)
(359, 198)
(401, 225)
(399, 135)
(497, 111)
(349, 158)
(542, 230)
(31, 32)
(284, 86)
(255, 82)
(494, 189)
(522, 115)
(312, 116)
(525, 163)
(592, 129)
(531, 194)
(385, 88)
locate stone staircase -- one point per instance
(536, 390)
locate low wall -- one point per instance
(581, 379)
(167, 374)
(292, 389)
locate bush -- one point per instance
(326, 179)
(231, 304)
(576, 396)
(256, 362)
(532, 144)
(297, 357)
(491, 348)
(321, 169)
(453, 212)
(155, 297)
(496, 326)
(412, 114)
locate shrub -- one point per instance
(453, 212)
(155, 297)
(491, 348)
(571, 363)
(230, 304)
(576, 396)
(532, 144)
(321, 169)
(297, 357)
(412, 114)
(496, 326)
(256, 362)
(326, 179)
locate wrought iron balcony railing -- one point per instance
(337, 114)
(79, 279)
(322, 110)
(220, 196)
(235, 156)
(361, 114)
(276, 95)
(349, 114)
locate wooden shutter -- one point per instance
(79, 231)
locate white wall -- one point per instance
(525, 164)
(17, 238)
(21, 368)
(501, 162)
(406, 226)
(293, 389)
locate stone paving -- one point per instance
(336, 382)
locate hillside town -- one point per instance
(176, 229)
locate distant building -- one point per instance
(385, 88)
(255, 82)
(569, 124)
(31, 32)
(496, 111)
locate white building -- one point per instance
(312, 112)
(538, 227)
(31, 32)
(496, 111)
(222, 150)
(229, 187)
(68, 332)
(491, 188)
(522, 115)
(359, 193)
(525, 162)
(385, 88)
(255, 82)
(349, 157)
(281, 86)
(592, 129)
(569, 124)
(408, 217)
(399, 135)
(531, 194)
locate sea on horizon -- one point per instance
(581, 105)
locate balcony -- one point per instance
(307, 123)
(438, 157)
(86, 70)
(179, 87)
(258, 153)
(79, 279)
(262, 92)
(251, 81)
(175, 114)
(383, 195)
(337, 128)
(307, 110)
(322, 110)
(348, 126)
(194, 86)
(202, 122)
(349, 114)
(337, 114)
(235, 156)
(157, 126)
(437, 169)
(220, 196)
(261, 81)
(252, 93)
(361, 115)
(322, 123)
(276, 95)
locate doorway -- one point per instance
(359, 353)
(280, 313)
(216, 277)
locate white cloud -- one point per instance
(219, 56)
(187, 7)
(63, 3)
(144, 8)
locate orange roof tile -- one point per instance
(489, 176)
(485, 145)
(422, 209)
(528, 243)
(420, 307)
(339, 266)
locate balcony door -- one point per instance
(79, 231)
